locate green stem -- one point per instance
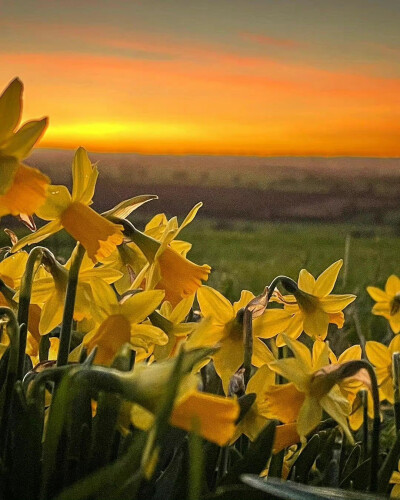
(248, 343)
(34, 259)
(7, 316)
(289, 284)
(68, 316)
(396, 388)
(364, 402)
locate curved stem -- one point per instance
(289, 284)
(68, 316)
(36, 257)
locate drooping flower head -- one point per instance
(22, 188)
(311, 307)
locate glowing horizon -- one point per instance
(241, 87)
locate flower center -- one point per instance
(395, 305)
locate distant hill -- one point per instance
(257, 188)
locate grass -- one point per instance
(248, 255)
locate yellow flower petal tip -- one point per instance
(98, 235)
(26, 193)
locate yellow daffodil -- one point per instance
(98, 235)
(212, 417)
(49, 291)
(120, 322)
(312, 389)
(167, 269)
(129, 259)
(226, 329)
(22, 188)
(171, 321)
(11, 270)
(311, 309)
(388, 302)
(381, 357)
(254, 420)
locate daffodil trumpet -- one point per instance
(37, 256)
(68, 316)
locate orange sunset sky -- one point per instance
(248, 77)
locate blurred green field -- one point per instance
(248, 255)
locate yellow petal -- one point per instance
(377, 294)
(181, 310)
(190, 216)
(336, 303)
(27, 192)
(378, 354)
(52, 312)
(82, 170)
(292, 370)
(301, 352)
(310, 416)
(394, 322)
(98, 235)
(306, 281)
(8, 170)
(140, 305)
(245, 298)
(149, 333)
(326, 281)
(214, 304)
(316, 324)
(10, 108)
(261, 380)
(12, 268)
(338, 408)
(320, 354)
(392, 286)
(352, 353)
(125, 208)
(57, 200)
(21, 143)
(272, 322)
(39, 235)
(214, 416)
(104, 297)
(282, 402)
(261, 353)
(228, 360)
(382, 309)
(394, 345)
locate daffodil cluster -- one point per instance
(136, 292)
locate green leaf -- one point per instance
(288, 490)
(256, 457)
(302, 465)
(389, 465)
(352, 461)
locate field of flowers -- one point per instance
(123, 375)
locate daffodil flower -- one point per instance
(171, 321)
(11, 270)
(226, 329)
(311, 309)
(98, 235)
(167, 269)
(120, 322)
(388, 302)
(49, 292)
(212, 417)
(130, 260)
(22, 188)
(381, 357)
(312, 389)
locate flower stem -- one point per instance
(8, 318)
(289, 284)
(34, 260)
(68, 316)
(248, 343)
(364, 402)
